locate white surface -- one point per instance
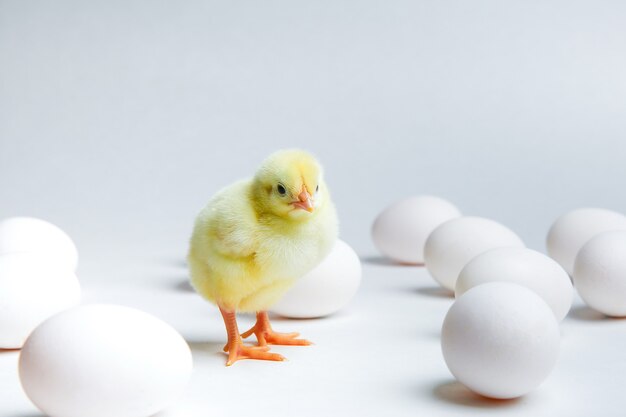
(400, 230)
(102, 361)
(118, 121)
(326, 289)
(32, 289)
(500, 339)
(381, 354)
(523, 266)
(573, 229)
(456, 242)
(600, 273)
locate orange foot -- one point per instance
(235, 347)
(237, 350)
(266, 336)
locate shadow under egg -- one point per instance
(383, 261)
(436, 292)
(184, 286)
(586, 313)
(453, 392)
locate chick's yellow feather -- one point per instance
(253, 240)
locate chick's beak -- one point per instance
(304, 201)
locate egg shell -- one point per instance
(326, 289)
(28, 234)
(573, 229)
(400, 231)
(454, 243)
(103, 361)
(600, 273)
(500, 340)
(523, 266)
(32, 288)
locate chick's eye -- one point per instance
(317, 188)
(281, 189)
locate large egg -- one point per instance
(454, 243)
(600, 273)
(500, 340)
(326, 289)
(104, 361)
(522, 266)
(28, 234)
(573, 229)
(32, 288)
(401, 230)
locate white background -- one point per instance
(118, 120)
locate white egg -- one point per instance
(573, 229)
(600, 273)
(32, 288)
(500, 340)
(103, 361)
(522, 266)
(401, 230)
(454, 243)
(326, 289)
(27, 234)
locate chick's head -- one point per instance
(289, 184)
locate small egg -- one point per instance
(401, 230)
(500, 340)
(28, 234)
(32, 288)
(526, 267)
(326, 289)
(102, 361)
(573, 229)
(454, 243)
(600, 273)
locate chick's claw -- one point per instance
(266, 336)
(273, 338)
(240, 351)
(259, 348)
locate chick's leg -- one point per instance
(235, 347)
(266, 336)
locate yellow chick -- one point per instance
(255, 238)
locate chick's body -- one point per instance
(245, 261)
(250, 243)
